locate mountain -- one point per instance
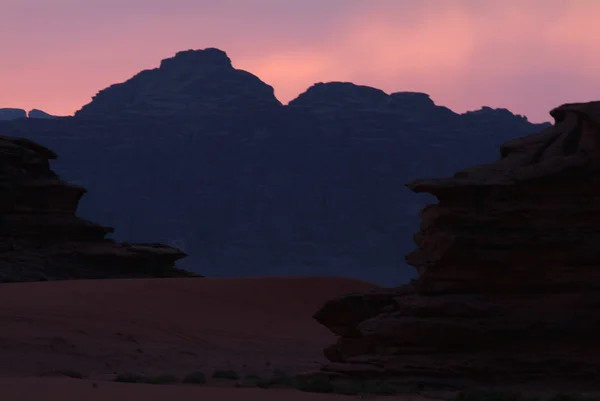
(35, 113)
(11, 114)
(193, 83)
(202, 156)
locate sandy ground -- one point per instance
(165, 326)
(100, 328)
(25, 389)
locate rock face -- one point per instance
(41, 238)
(508, 285)
(193, 83)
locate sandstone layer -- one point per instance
(41, 238)
(508, 286)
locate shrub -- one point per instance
(129, 378)
(317, 384)
(225, 374)
(70, 373)
(195, 378)
(282, 379)
(161, 379)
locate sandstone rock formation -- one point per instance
(41, 238)
(508, 285)
(193, 83)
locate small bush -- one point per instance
(225, 374)
(129, 378)
(574, 397)
(161, 379)
(317, 384)
(281, 379)
(348, 388)
(70, 373)
(253, 380)
(195, 378)
(492, 395)
(380, 388)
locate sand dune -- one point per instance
(174, 326)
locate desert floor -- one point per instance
(101, 328)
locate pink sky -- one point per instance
(525, 55)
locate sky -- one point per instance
(525, 55)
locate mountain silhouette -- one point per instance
(8, 113)
(12, 114)
(193, 83)
(202, 156)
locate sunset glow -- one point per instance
(525, 55)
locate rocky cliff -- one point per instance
(508, 285)
(41, 238)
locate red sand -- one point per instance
(25, 389)
(162, 326)
(165, 326)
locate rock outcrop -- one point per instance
(41, 238)
(508, 285)
(192, 84)
(36, 113)
(12, 113)
(345, 97)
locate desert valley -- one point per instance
(275, 201)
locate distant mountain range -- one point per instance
(12, 114)
(200, 155)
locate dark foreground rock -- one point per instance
(41, 238)
(508, 286)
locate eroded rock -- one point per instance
(41, 238)
(508, 285)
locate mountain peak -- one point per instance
(411, 99)
(210, 57)
(191, 84)
(322, 96)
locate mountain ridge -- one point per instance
(248, 186)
